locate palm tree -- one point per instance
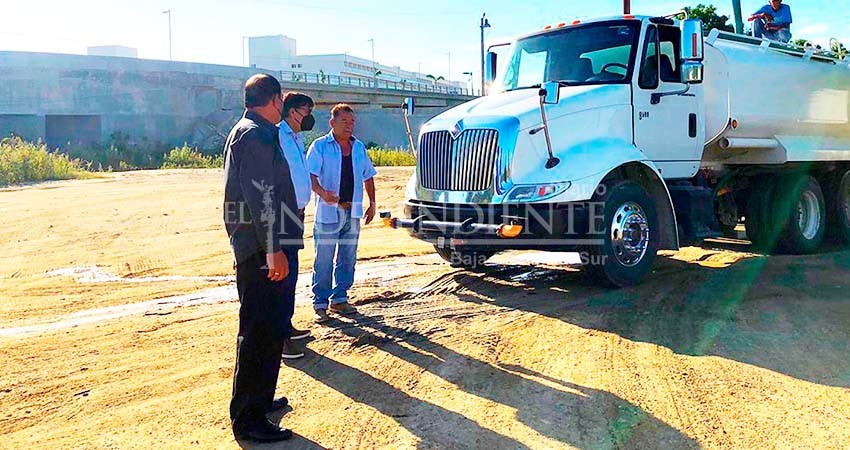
(435, 79)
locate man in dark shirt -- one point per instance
(261, 218)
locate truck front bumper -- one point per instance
(553, 227)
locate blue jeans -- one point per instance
(334, 238)
(780, 35)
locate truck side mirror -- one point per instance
(551, 92)
(692, 51)
(692, 72)
(490, 70)
(408, 106)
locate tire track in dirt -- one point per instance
(371, 271)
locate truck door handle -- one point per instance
(692, 125)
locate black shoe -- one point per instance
(278, 404)
(299, 334)
(291, 351)
(263, 431)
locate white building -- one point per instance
(113, 50)
(279, 53)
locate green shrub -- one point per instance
(186, 157)
(22, 161)
(391, 157)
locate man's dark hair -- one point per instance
(260, 89)
(295, 100)
(341, 107)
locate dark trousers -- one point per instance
(289, 292)
(265, 315)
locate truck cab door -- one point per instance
(670, 132)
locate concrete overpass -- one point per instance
(73, 101)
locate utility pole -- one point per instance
(449, 77)
(484, 24)
(169, 33)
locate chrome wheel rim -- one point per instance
(629, 234)
(809, 215)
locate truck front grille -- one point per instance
(463, 164)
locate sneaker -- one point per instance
(291, 351)
(344, 309)
(297, 334)
(321, 316)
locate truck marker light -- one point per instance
(391, 222)
(576, 22)
(547, 27)
(455, 242)
(734, 123)
(694, 47)
(562, 24)
(628, 16)
(509, 231)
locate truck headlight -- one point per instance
(536, 192)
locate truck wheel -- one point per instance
(629, 235)
(841, 224)
(466, 259)
(799, 213)
(757, 224)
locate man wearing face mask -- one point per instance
(297, 117)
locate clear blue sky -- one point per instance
(405, 33)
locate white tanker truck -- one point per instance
(619, 137)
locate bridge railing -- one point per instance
(376, 83)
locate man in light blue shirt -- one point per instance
(297, 116)
(773, 22)
(340, 169)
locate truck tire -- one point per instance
(466, 259)
(840, 222)
(758, 230)
(629, 235)
(799, 215)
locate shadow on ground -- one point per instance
(789, 314)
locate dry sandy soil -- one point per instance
(720, 349)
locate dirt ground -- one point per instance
(720, 349)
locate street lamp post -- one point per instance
(627, 6)
(374, 68)
(169, 33)
(244, 63)
(739, 18)
(484, 24)
(471, 87)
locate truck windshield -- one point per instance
(596, 53)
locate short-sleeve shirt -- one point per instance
(324, 160)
